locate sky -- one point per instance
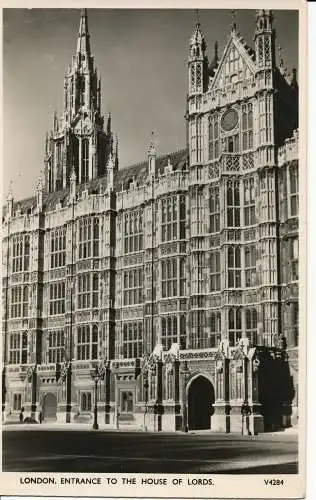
(141, 56)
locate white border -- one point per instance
(228, 486)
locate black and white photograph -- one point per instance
(152, 246)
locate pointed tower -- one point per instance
(264, 40)
(197, 62)
(78, 139)
(198, 82)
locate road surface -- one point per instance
(48, 449)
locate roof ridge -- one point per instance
(158, 158)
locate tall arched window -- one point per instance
(25, 302)
(233, 204)
(234, 326)
(133, 340)
(250, 266)
(26, 253)
(96, 237)
(24, 348)
(85, 160)
(75, 147)
(234, 267)
(215, 329)
(95, 291)
(183, 332)
(251, 325)
(95, 342)
(169, 331)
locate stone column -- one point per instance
(107, 406)
(221, 418)
(176, 385)
(159, 406)
(34, 391)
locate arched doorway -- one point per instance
(201, 398)
(49, 407)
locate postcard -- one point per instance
(154, 249)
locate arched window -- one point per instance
(85, 160)
(293, 171)
(125, 341)
(83, 91)
(96, 237)
(183, 332)
(182, 276)
(169, 331)
(251, 325)
(95, 291)
(215, 329)
(75, 146)
(234, 267)
(95, 342)
(133, 340)
(250, 266)
(56, 346)
(24, 348)
(83, 343)
(234, 326)
(85, 403)
(25, 311)
(26, 253)
(233, 204)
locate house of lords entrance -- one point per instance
(201, 398)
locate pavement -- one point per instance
(54, 426)
(83, 449)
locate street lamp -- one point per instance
(96, 373)
(146, 386)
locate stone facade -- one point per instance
(164, 294)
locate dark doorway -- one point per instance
(50, 407)
(201, 398)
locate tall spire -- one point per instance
(234, 25)
(83, 42)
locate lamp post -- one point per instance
(185, 371)
(96, 373)
(146, 386)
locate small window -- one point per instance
(85, 402)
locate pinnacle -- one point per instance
(83, 42)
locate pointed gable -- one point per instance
(235, 65)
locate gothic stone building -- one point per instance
(165, 292)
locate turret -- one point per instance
(110, 172)
(197, 62)
(39, 195)
(73, 185)
(10, 203)
(152, 157)
(264, 40)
